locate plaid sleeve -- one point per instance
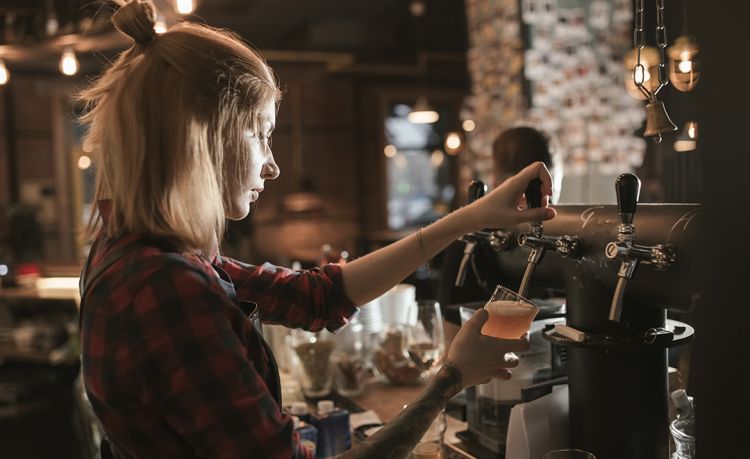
(192, 369)
(310, 299)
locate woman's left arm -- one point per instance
(372, 275)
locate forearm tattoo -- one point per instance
(397, 438)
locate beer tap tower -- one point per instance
(617, 373)
(617, 365)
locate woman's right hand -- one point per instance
(480, 358)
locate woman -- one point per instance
(172, 365)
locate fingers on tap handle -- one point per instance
(533, 194)
(538, 183)
(477, 189)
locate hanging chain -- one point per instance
(639, 41)
(661, 43)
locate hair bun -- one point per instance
(136, 19)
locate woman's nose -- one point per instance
(270, 169)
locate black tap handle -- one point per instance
(477, 189)
(628, 188)
(534, 194)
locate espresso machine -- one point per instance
(621, 268)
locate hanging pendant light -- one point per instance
(649, 60)
(4, 73)
(687, 140)
(684, 65)
(69, 62)
(422, 112)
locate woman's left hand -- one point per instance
(502, 207)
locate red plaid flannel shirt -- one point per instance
(171, 365)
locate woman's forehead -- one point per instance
(267, 113)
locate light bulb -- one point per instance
(4, 73)
(468, 125)
(160, 26)
(641, 75)
(69, 62)
(685, 66)
(184, 6)
(390, 151)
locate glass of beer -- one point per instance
(510, 314)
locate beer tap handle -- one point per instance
(533, 194)
(628, 188)
(477, 189)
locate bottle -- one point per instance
(334, 431)
(308, 434)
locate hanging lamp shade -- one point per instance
(649, 60)
(422, 112)
(687, 140)
(684, 63)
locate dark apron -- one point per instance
(249, 309)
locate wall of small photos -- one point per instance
(556, 65)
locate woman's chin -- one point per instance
(238, 212)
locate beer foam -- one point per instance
(509, 308)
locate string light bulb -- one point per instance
(69, 62)
(184, 6)
(4, 73)
(469, 125)
(684, 65)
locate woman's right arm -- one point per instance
(472, 359)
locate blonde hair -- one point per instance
(167, 121)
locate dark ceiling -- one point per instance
(372, 30)
(372, 27)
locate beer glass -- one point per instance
(510, 314)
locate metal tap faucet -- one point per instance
(567, 246)
(498, 239)
(660, 256)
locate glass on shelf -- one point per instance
(312, 354)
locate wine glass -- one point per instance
(510, 314)
(426, 336)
